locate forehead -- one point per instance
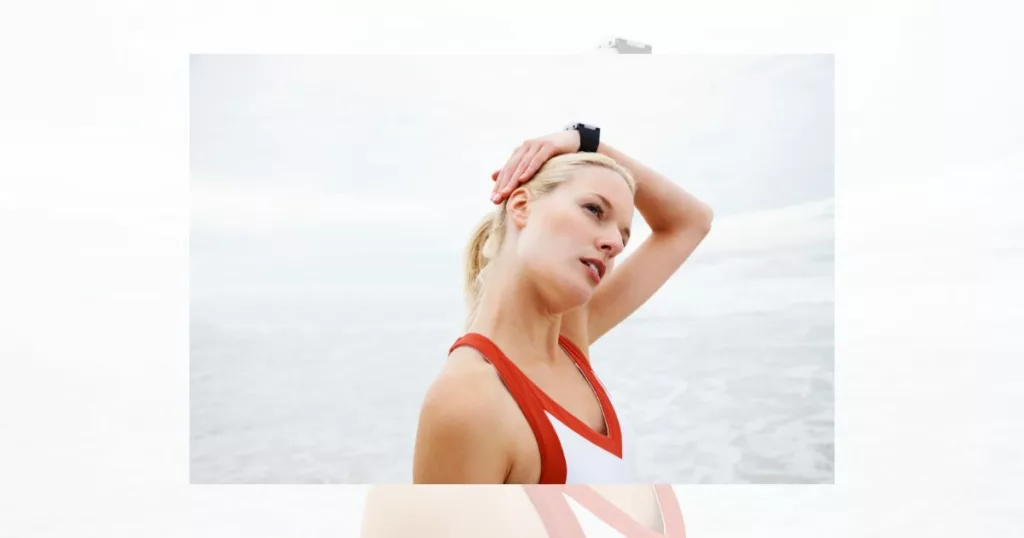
(606, 182)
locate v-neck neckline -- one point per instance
(561, 412)
(611, 440)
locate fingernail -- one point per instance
(494, 197)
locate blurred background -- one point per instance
(332, 197)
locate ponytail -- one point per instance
(474, 257)
(483, 247)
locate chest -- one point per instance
(581, 424)
(569, 388)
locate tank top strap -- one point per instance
(552, 459)
(510, 374)
(575, 353)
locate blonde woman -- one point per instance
(518, 400)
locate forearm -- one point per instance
(665, 206)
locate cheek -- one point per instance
(552, 239)
(566, 227)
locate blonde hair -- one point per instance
(489, 234)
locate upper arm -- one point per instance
(456, 440)
(635, 280)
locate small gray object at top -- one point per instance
(626, 46)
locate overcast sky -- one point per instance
(314, 141)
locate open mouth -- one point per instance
(595, 266)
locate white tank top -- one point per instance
(570, 451)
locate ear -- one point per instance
(518, 207)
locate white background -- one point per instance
(94, 221)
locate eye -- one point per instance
(594, 208)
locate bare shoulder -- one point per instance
(460, 438)
(467, 393)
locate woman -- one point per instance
(517, 400)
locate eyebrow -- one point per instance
(624, 231)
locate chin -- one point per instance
(572, 292)
(563, 290)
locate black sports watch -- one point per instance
(590, 136)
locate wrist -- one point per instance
(588, 137)
(572, 144)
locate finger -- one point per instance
(499, 182)
(536, 162)
(496, 193)
(517, 175)
(501, 186)
(494, 175)
(512, 161)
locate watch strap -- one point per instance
(590, 136)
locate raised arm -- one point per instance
(678, 222)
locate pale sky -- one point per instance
(312, 141)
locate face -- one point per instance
(569, 238)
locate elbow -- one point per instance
(702, 219)
(694, 218)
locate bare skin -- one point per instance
(471, 430)
(401, 511)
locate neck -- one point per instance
(513, 315)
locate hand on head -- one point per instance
(528, 158)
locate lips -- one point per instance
(596, 266)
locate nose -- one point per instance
(610, 243)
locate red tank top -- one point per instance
(570, 451)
